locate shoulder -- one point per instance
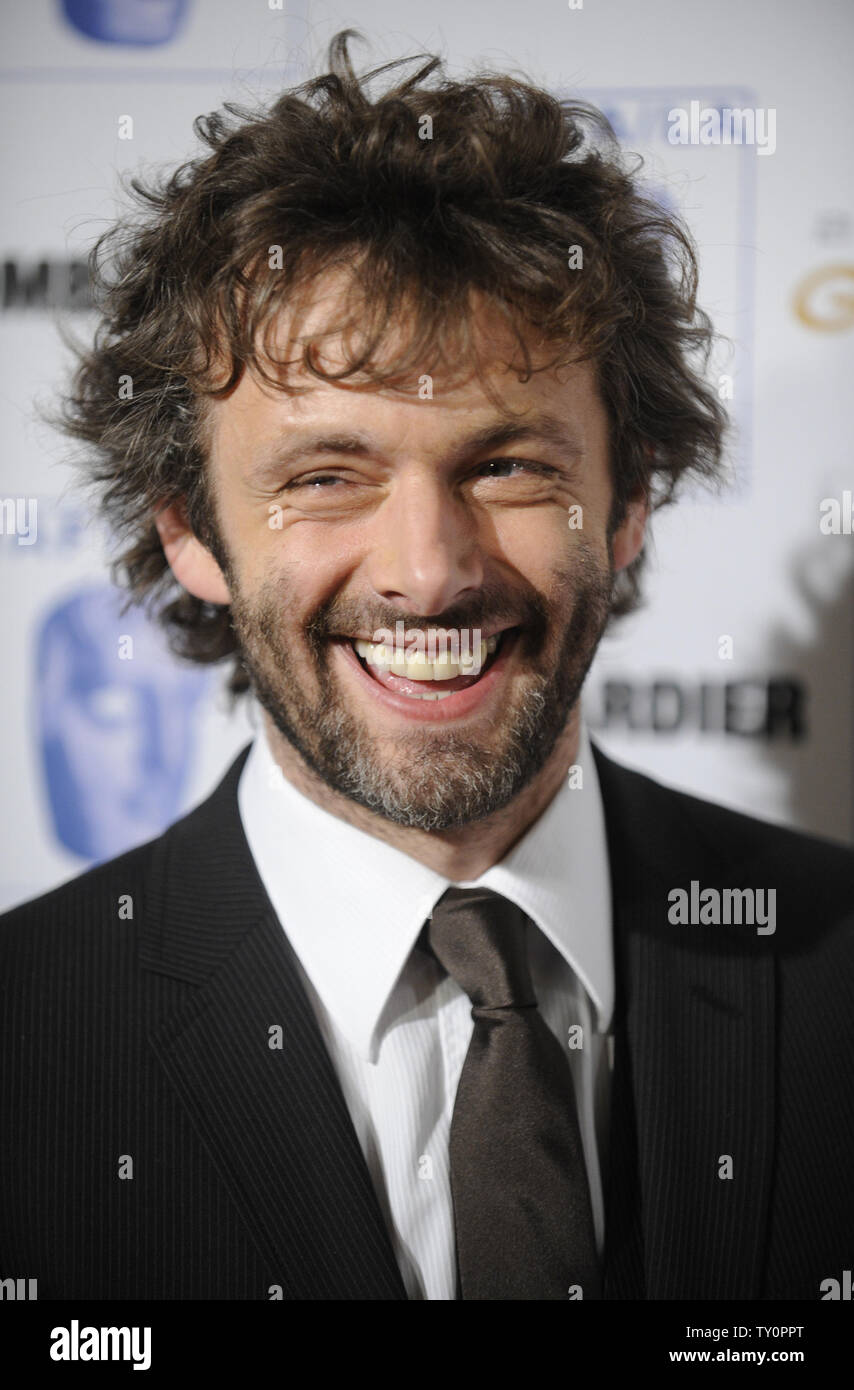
(104, 904)
(728, 830)
(105, 899)
(677, 838)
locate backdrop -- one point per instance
(735, 681)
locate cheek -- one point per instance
(539, 544)
(295, 581)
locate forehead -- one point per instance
(478, 373)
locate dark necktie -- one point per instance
(522, 1214)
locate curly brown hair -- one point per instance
(509, 180)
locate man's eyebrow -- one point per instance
(547, 428)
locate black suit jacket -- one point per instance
(140, 1046)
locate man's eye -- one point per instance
(317, 479)
(497, 464)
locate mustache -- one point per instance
(482, 610)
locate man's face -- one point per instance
(347, 510)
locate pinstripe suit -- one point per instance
(153, 1146)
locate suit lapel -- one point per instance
(272, 1118)
(694, 1061)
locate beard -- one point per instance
(427, 778)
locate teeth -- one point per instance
(418, 667)
(439, 695)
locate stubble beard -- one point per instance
(429, 778)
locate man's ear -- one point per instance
(630, 534)
(192, 564)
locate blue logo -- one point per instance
(116, 723)
(126, 21)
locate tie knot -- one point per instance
(479, 937)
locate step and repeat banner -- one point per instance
(736, 679)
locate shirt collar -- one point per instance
(353, 905)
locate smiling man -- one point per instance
(403, 1010)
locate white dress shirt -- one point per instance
(396, 1026)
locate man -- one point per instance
(430, 998)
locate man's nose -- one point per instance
(425, 550)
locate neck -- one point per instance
(460, 854)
